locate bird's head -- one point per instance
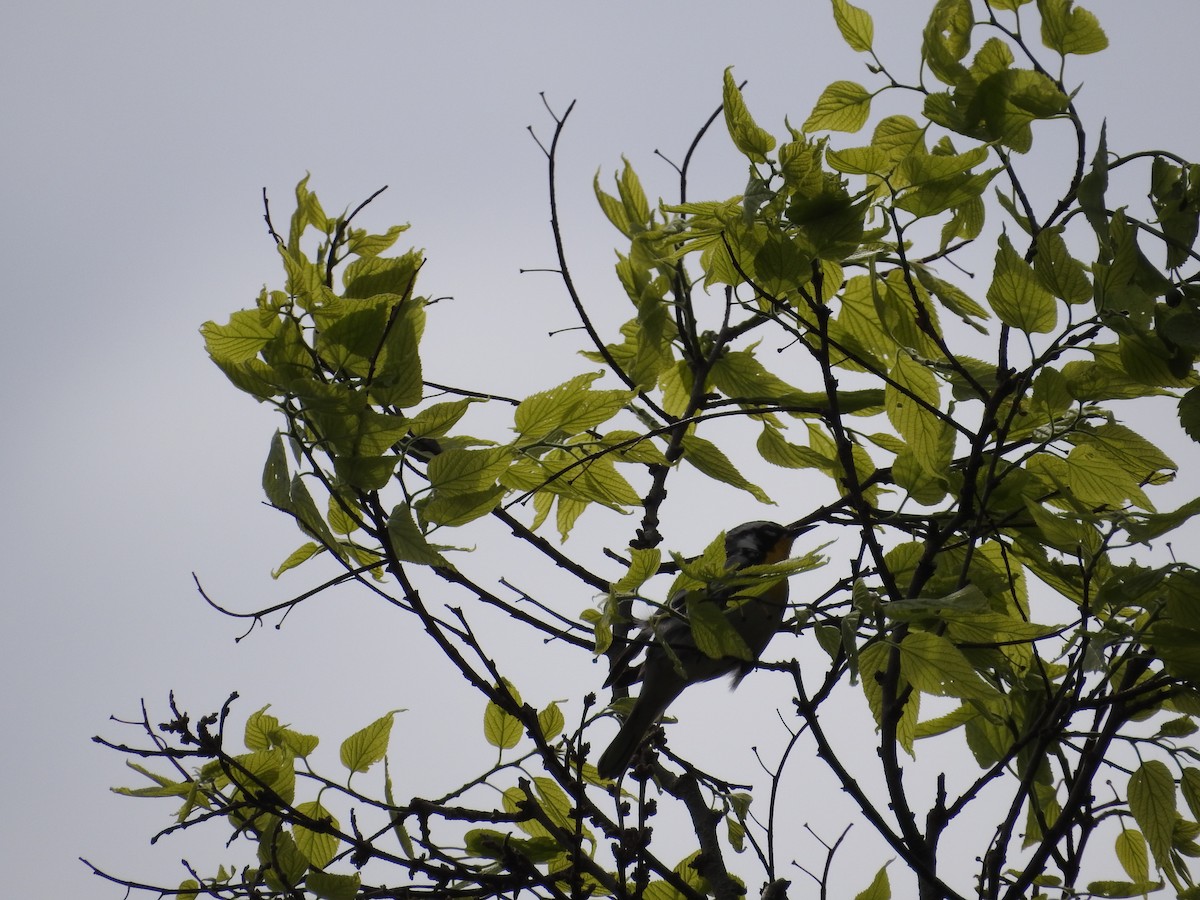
(759, 543)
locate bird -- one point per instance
(673, 660)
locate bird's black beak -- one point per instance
(795, 529)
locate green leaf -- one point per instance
(911, 391)
(899, 137)
(1092, 188)
(457, 509)
(271, 768)
(920, 168)
(1142, 458)
(1116, 889)
(253, 376)
(775, 449)
(780, 263)
(1189, 414)
(1067, 30)
(458, 471)
(1058, 271)
(714, 634)
(860, 161)
(367, 746)
(689, 868)
(283, 865)
(308, 212)
(248, 331)
(300, 555)
(994, 56)
(555, 803)
(502, 729)
(708, 458)
(367, 473)
(307, 515)
(363, 244)
(1009, 102)
(1099, 479)
(408, 542)
(1175, 195)
(1179, 727)
(1131, 854)
(1146, 528)
(923, 462)
(735, 833)
(398, 828)
(630, 213)
(568, 409)
(342, 513)
(873, 665)
(276, 479)
(947, 38)
(879, 889)
(297, 743)
(612, 208)
(842, 106)
(936, 196)
(1016, 294)
(551, 721)
(855, 24)
(436, 421)
(1152, 802)
(1148, 361)
(943, 724)
(163, 787)
(935, 666)
(752, 141)
(1189, 786)
(260, 728)
(966, 223)
(633, 198)
(660, 890)
(397, 380)
(740, 375)
(600, 481)
(374, 275)
(643, 565)
(950, 295)
(318, 847)
(633, 446)
(329, 886)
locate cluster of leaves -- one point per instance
(981, 489)
(256, 791)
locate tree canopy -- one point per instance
(986, 599)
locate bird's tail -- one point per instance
(615, 760)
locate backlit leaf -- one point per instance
(751, 140)
(1131, 854)
(1058, 271)
(1152, 802)
(855, 24)
(1017, 295)
(709, 459)
(842, 106)
(879, 889)
(367, 746)
(935, 666)
(318, 847)
(947, 38)
(1069, 29)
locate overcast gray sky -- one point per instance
(137, 138)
